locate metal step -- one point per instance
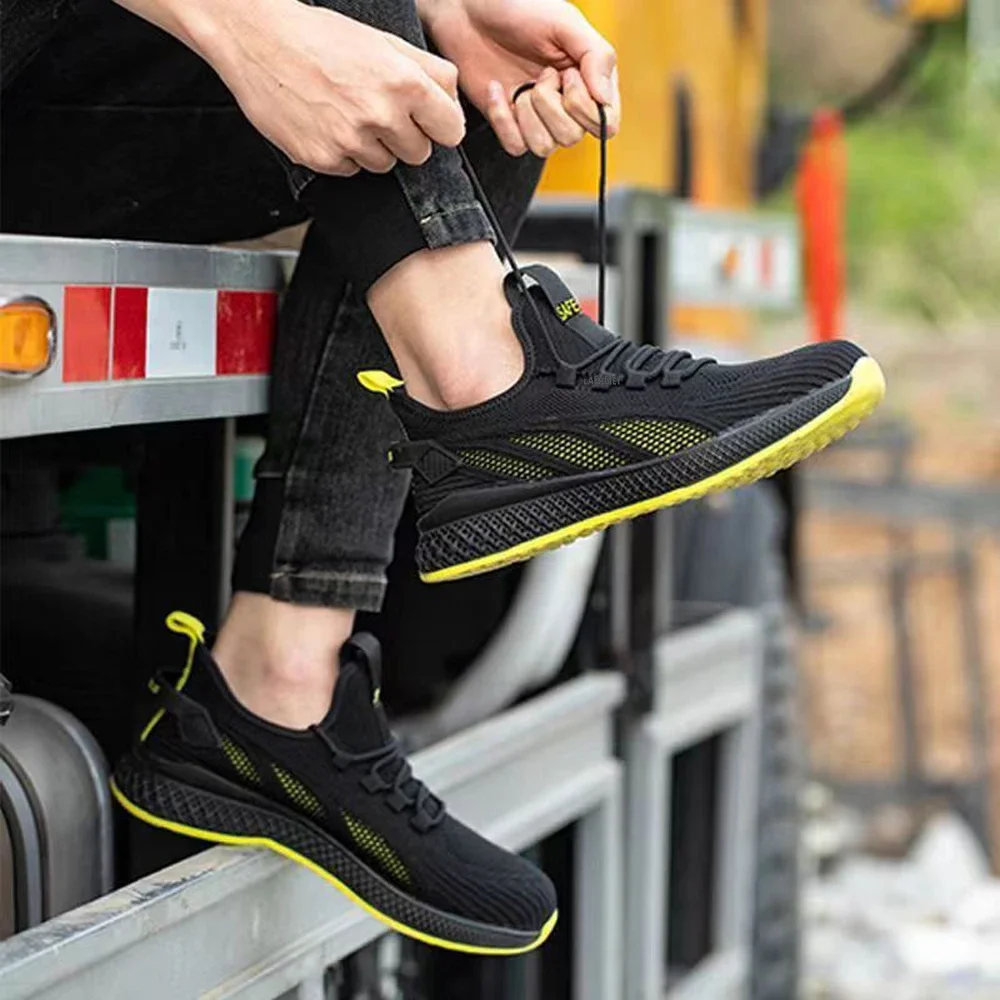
(246, 924)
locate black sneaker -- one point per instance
(338, 798)
(599, 430)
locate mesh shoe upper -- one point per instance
(588, 401)
(347, 776)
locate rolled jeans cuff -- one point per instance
(464, 223)
(358, 587)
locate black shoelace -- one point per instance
(671, 366)
(390, 774)
(633, 360)
(503, 244)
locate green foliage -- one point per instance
(923, 224)
(923, 213)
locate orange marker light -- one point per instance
(27, 336)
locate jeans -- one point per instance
(112, 129)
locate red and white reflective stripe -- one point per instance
(129, 332)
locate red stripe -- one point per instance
(86, 333)
(129, 352)
(245, 323)
(589, 306)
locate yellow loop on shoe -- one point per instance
(378, 381)
(184, 624)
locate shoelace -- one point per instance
(419, 797)
(671, 366)
(503, 244)
(390, 772)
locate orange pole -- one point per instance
(822, 191)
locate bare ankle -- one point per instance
(281, 660)
(447, 322)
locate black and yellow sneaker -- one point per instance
(338, 798)
(599, 430)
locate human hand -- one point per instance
(499, 46)
(335, 95)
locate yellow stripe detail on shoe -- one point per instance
(183, 624)
(272, 845)
(297, 792)
(866, 391)
(370, 842)
(376, 381)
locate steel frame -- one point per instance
(245, 924)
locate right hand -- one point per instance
(335, 95)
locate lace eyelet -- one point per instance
(374, 783)
(397, 801)
(566, 377)
(421, 823)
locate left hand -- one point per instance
(498, 45)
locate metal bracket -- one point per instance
(6, 700)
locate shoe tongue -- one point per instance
(357, 720)
(568, 332)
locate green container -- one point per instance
(97, 500)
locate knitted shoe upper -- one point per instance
(347, 775)
(589, 401)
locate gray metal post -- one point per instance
(706, 681)
(597, 955)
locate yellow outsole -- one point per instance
(864, 394)
(286, 852)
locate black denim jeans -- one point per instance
(112, 129)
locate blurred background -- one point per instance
(874, 124)
(899, 634)
(898, 594)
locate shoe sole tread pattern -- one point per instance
(163, 802)
(759, 448)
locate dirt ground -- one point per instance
(947, 385)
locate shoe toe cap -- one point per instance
(482, 882)
(732, 394)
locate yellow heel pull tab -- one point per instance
(184, 624)
(376, 381)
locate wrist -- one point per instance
(208, 26)
(430, 11)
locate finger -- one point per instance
(614, 109)
(441, 71)
(547, 101)
(538, 138)
(407, 141)
(577, 37)
(347, 168)
(501, 119)
(597, 69)
(578, 103)
(323, 161)
(374, 156)
(439, 117)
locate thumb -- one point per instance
(578, 38)
(597, 69)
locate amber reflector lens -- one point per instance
(24, 337)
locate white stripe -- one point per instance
(180, 332)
